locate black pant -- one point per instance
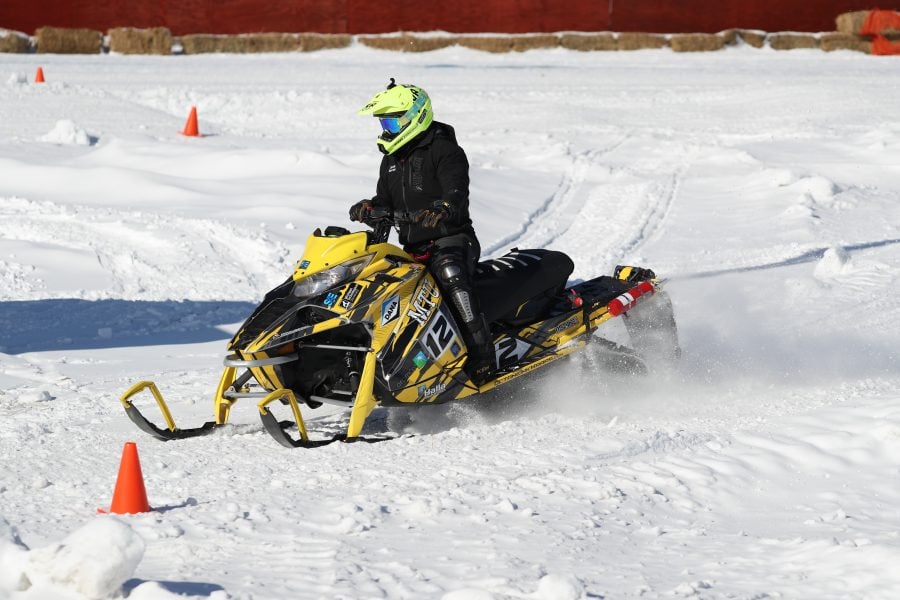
(452, 262)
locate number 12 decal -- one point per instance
(438, 336)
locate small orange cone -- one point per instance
(39, 76)
(190, 128)
(130, 496)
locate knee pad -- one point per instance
(449, 270)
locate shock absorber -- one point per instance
(352, 373)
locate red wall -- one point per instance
(462, 16)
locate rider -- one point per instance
(424, 183)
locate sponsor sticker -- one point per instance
(455, 349)
(351, 295)
(425, 301)
(420, 359)
(390, 310)
(428, 392)
(330, 299)
(567, 324)
(304, 264)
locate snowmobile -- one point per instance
(360, 323)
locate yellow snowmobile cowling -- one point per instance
(360, 324)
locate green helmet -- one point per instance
(404, 112)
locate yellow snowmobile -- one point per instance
(360, 323)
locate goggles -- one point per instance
(395, 123)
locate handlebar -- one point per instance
(381, 220)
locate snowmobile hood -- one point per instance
(325, 251)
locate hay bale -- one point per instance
(792, 41)
(521, 43)
(57, 40)
(641, 41)
(730, 37)
(254, 43)
(310, 42)
(195, 43)
(128, 40)
(203, 43)
(251, 43)
(851, 22)
(752, 37)
(844, 41)
(494, 44)
(586, 42)
(407, 43)
(14, 42)
(696, 42)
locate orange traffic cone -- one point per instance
(39, 76)
(130, 496)
(190, 128)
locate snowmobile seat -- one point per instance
(520, 286)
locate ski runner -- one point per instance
(424, 183)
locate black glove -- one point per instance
(360, 211)
(432, 217)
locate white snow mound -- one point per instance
(66, 132)
(94, 560)
(834, 263)
(559, 587)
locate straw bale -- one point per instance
(521, 43)
(792, 41)
(128, 40)
(310, 42)
(696, 42)
(202, 43)
(640, 41)
(57, 40)
(851, 22)
(730, 36)
(407, 43)
(14, 42)
(487, 43)
(753, 37)
(589, 41)
(844, 41)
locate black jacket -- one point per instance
(430, 170)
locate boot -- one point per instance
(481, 364)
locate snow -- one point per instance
(93, 561)
(67, 132)
(764, 186)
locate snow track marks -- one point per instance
(608, 204)
(130, 254)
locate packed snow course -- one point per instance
(764, 186)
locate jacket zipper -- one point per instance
(403, 162)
